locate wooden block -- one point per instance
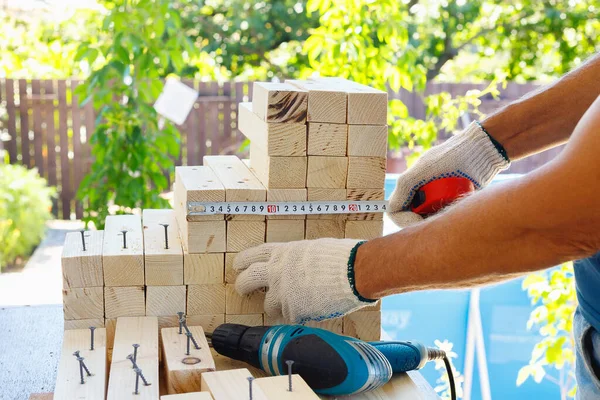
(171, 321)
(206, 299)
(143, 331)
(204, 237)
(363, 325)
(188, 396)
(165, 300)
(196, 184)
(245, 319)
(365, 230)
(279, 102)
(365, 195)
(410, 385)
(366, 172)
(83, 303)
(278, 172)
(285, 231)
(41, 396)
(230, 273)
(208, 322)
(239, 182)
(164, 267)
(333, 325)
(82, 268)
(327, 172)
(111, 327)
(325, 228)
(242, 235)
(252, 303)
(84, 323)
(367, 140)
(374, 307)
(226, 364)
(285, 195)
(126, 301)
(325, 104)
(327, 139)
(277, 139)
(183, 371)
(276, 388)
(202, 269)
(230, 385)
(323, 194)
(68, 381)
(123, 266)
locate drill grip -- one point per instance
(403, 356)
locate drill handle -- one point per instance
(403, 356)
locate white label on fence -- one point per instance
(176, 101)
(287, 208)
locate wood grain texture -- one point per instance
(285, 231)
(325, 228)
(327, 139)
(143, 331)
(409, 385)
(365, 230)
(83, 303)
(279, 102)
(196, 184)
(325, 104)
(128, 301)
(277, 139)
(68, 381)
(278, 172)
(163, 267)
(111, 328)
(283, 195)
(206, 299)
(245, 319)
(327, 172)
(82, 268)
(84, 323)
(326, 194)
(123, 266)
(365, 195)
(367, 140)
(252, 303)
(242, 235)
(200, 269)
(366, 172)
(188, 396)
(163, 301)
(277, 388)
(204, 237)
(335, 325)
(41, 396)
(208, 322)
(181, 375)
(363, 325)
(230, 385)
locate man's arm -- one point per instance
(550, 216)
(546, 118)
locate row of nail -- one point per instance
(124, 233)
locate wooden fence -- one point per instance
(49, 131)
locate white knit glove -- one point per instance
(470, 154)
(305, 280)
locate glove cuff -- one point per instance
(351, 278)
(496, 143)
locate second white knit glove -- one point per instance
(305, 280)
(470, 154)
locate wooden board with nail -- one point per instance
(230, 385)
(278, 388)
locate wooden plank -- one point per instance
(162, 301)
(142, 331)
(242, 235)
(327, 139)
(325, 104)
(327, 172)
(367, 140)
(196, 184)
(283, 195)
(111, 327)
(50, 134)
(188, 396)
(366, 172)
(365, 230)
(335, 325)
(278, 172)
(363, 325)
(66, 190)
(83, 303)
(79, 166)
(11, 110)
(208, 322)
(245, 319)
(230, 273)
(226, 364)
(206, 299)
(183, 370)
(277, 388)
(82, 268)
(163, 266)
(285, 231)
(213, 120)
(252, 303)
(24, 123)
(325, 228)
(279, 102)
(128, 301)
(326, 194)
(38, 137)
(201, 269)
(84, 323)
(68, 380)
(411, 385)
(41, 396)
(230, 385)
(276, 139)
(365, 195)
(123, 266)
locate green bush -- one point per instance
(25, 204)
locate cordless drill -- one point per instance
(330, 364)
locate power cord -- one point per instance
(437, 354)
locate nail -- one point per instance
(81, 369)
(138, 371)
(189, 336)
(188, 332)
(289, 364)
(76, 354)
(130, 358)
(180, 315)
(137, 382)
(87, 371)
(250, 379)
(83, 239)
(166, 236)
(135, 347)
(92, 329)
(124, 239)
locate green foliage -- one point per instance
(25, 205)
(443, 382)
(554, 294)
(133, 153)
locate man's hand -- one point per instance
(470, 154)
(305, 280)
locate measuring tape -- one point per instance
(287, 208)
